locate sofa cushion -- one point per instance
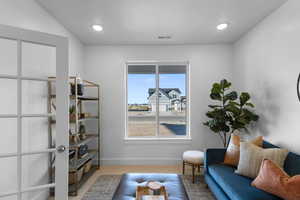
(251, 157)
(292, 161)
(235, 186)
(273, 179)
(232, 155)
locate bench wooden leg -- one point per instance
(193, 166)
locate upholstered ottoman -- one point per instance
(194, 159)
(127, 186)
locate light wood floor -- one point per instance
(108, 170)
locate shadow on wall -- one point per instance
(268, 108)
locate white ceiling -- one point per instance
(142, 21)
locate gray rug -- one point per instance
(106, 185)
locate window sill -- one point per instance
(156, 140)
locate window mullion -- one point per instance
(157, 99)
(19, 121)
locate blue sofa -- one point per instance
(227, 185)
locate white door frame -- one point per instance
(62, 112)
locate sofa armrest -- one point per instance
(213, 156)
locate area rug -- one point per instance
(106, 185)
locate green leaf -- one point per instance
(225, 84)
(244, 97)
(231, 96)
(250, 105)
(215, 96)
(216, 88)
(233, 108)
(214, 106)
(255, 117)
(250, 115)
(234, 103)
(213, 125)
(211, 114)
(216, 113)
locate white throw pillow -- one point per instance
(251, 157)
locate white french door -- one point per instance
(27, 59)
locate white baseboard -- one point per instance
(141, 161)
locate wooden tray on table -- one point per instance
(146, 193)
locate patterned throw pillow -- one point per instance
(251, 157)
(232, 155)
(274, 180)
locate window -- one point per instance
(157, 100)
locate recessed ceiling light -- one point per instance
(222, 26)
(97, 27)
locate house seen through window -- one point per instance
(157, 100)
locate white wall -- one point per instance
(106, 65)
(37, 61)
(28, 14)
(267, 64)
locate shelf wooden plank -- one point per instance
(83, 98)
(79, 120)
(86, 98)
(92, 134)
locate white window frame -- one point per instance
(187, 85)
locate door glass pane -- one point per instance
(38, 60)
(35, 170)
(43, 194)
(172, 101)
(8, 172)
(8, 100)
(35, 134)
(34, 97)
(8, 141)
(8, 57)
(141, 101)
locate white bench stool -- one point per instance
(194, 159)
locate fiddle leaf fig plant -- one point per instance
(230, 110)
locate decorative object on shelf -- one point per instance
(233, 111)
(298, 87)
(85, 115)
(71, 154)
(81, 128)
(80, 87)
(83, 150)
(82, 136)
(72, 113)
(74, 138)
(82, 133)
